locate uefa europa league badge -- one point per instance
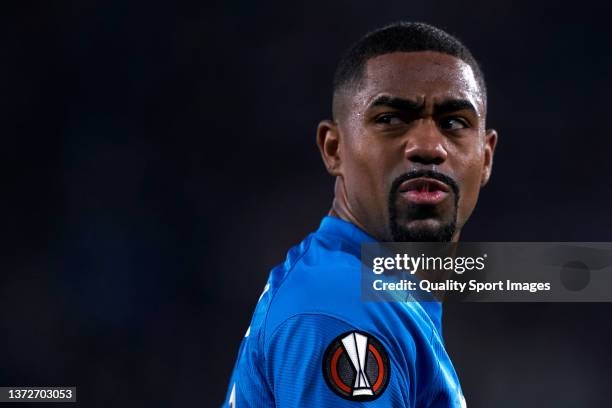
(356, 366)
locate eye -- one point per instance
(453, 123)
(389, 119)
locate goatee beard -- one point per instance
(443, 233)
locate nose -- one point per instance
(425, 144)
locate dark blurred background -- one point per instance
(158, 160)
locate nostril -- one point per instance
(426, 159)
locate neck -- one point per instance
(341, 208)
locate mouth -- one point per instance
(424, 191)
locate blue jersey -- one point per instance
(313, 342)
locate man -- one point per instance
(409, 150)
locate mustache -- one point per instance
(449, 181)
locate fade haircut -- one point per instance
(399, 37)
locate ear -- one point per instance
(490, 143)
(328, 141)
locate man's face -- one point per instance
(413, 147)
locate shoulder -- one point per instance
(311, 311)
(324, 280)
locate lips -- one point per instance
(424, 191)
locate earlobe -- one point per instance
(328, 141)
(489, 150)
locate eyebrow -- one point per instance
(396, 103)
(454, 105)
(447, 106)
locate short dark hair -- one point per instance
(401, 37)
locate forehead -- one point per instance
(423, 76)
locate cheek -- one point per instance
(366, 179)
(364, 173)
(470, 189)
